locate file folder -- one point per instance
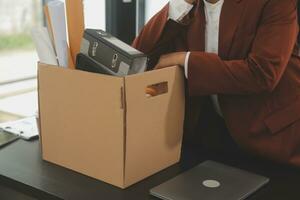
(117, 56)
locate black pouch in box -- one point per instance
(87, 64)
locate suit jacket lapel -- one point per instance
(231, 14)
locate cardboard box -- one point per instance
(106, 127)
(75, 23)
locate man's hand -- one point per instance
(171, 59)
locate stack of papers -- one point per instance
(51, 43)
(44, 46)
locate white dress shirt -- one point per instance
(180, 8)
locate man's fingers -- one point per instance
(158, 67)
(162, 63)
(171, 60)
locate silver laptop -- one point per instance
(210, 181)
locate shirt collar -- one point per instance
(213, 5)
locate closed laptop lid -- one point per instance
(210, 181)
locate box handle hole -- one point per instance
(156, 89)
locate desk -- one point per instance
(22, 170)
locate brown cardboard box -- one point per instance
(106, 127)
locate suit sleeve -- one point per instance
(161, 35)
(262, 69)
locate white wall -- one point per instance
(94, 13)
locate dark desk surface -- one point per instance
(22, 170)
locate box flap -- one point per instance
(154, 124)
(82, 122)
(75, 18)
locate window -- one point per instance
(18, 58)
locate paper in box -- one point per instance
(106, 127)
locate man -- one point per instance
(243, 55)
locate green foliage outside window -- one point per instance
(17, 41)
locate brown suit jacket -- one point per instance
(256, 74)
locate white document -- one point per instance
(44, 47)
(58, 21)
(25, 128)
